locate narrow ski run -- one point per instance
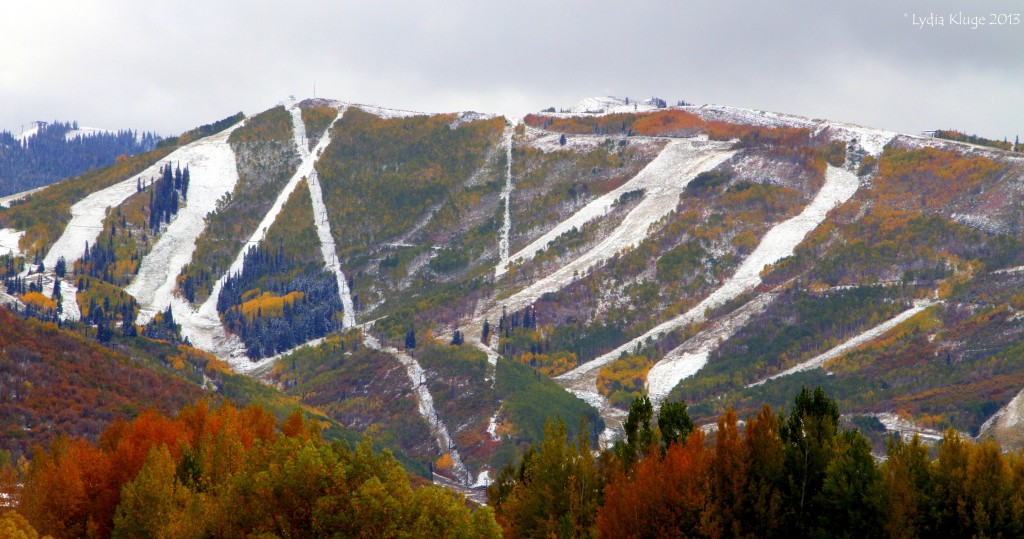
(425, 405)
(818, 361)
(506, 198)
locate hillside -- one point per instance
(444, 282)
(49, 152)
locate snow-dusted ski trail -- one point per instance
(211, 162)
(506, 197)
(5, 202)
(868, 336)
(778, 243)
(691, 356)
(663, 180)
(327, 248)
(426, 405)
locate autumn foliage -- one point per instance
(225, 472)
(775, 475)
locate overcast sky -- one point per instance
(169, 66)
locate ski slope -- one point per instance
(5, 202)
(328, 249)
(778, 243)
(506, 198)
(9, 239)
(663, 180)
(211, 162)
(425, 405)
(691, 356)
(868, 336)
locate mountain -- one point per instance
(50, 152)
(445, 282)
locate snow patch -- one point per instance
(759, 118)
(1007, 418)
(328, 249)
(895, 423)
(9, 239)
(5, 202)
(388, 114)
(492, 427)
(611, 105)
(469, 117)
(869, 335)
(871, 140)
(483, 480)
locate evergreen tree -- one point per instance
(410, 339)
(810, 438)
(674, 422)
(639, 435)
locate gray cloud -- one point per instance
(171, 66)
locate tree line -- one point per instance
(49, 155)
(795, 474)
(226, 472)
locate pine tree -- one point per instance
(410, 339)
(485, 335)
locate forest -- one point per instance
(274, 305)
(795, 473)
(53, 153)
(220, 471)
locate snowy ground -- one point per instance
(5, 202)
(906, 428)
(1005, 425)
(868, 336)
(663, 180)
(691, 356)
(211, 162)
(610, 105)
(492, 360)
(871, 140)
(425, 400)
(778, 243)
(9, 239)
(721, 113)
(328, 250)
(506, 198)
